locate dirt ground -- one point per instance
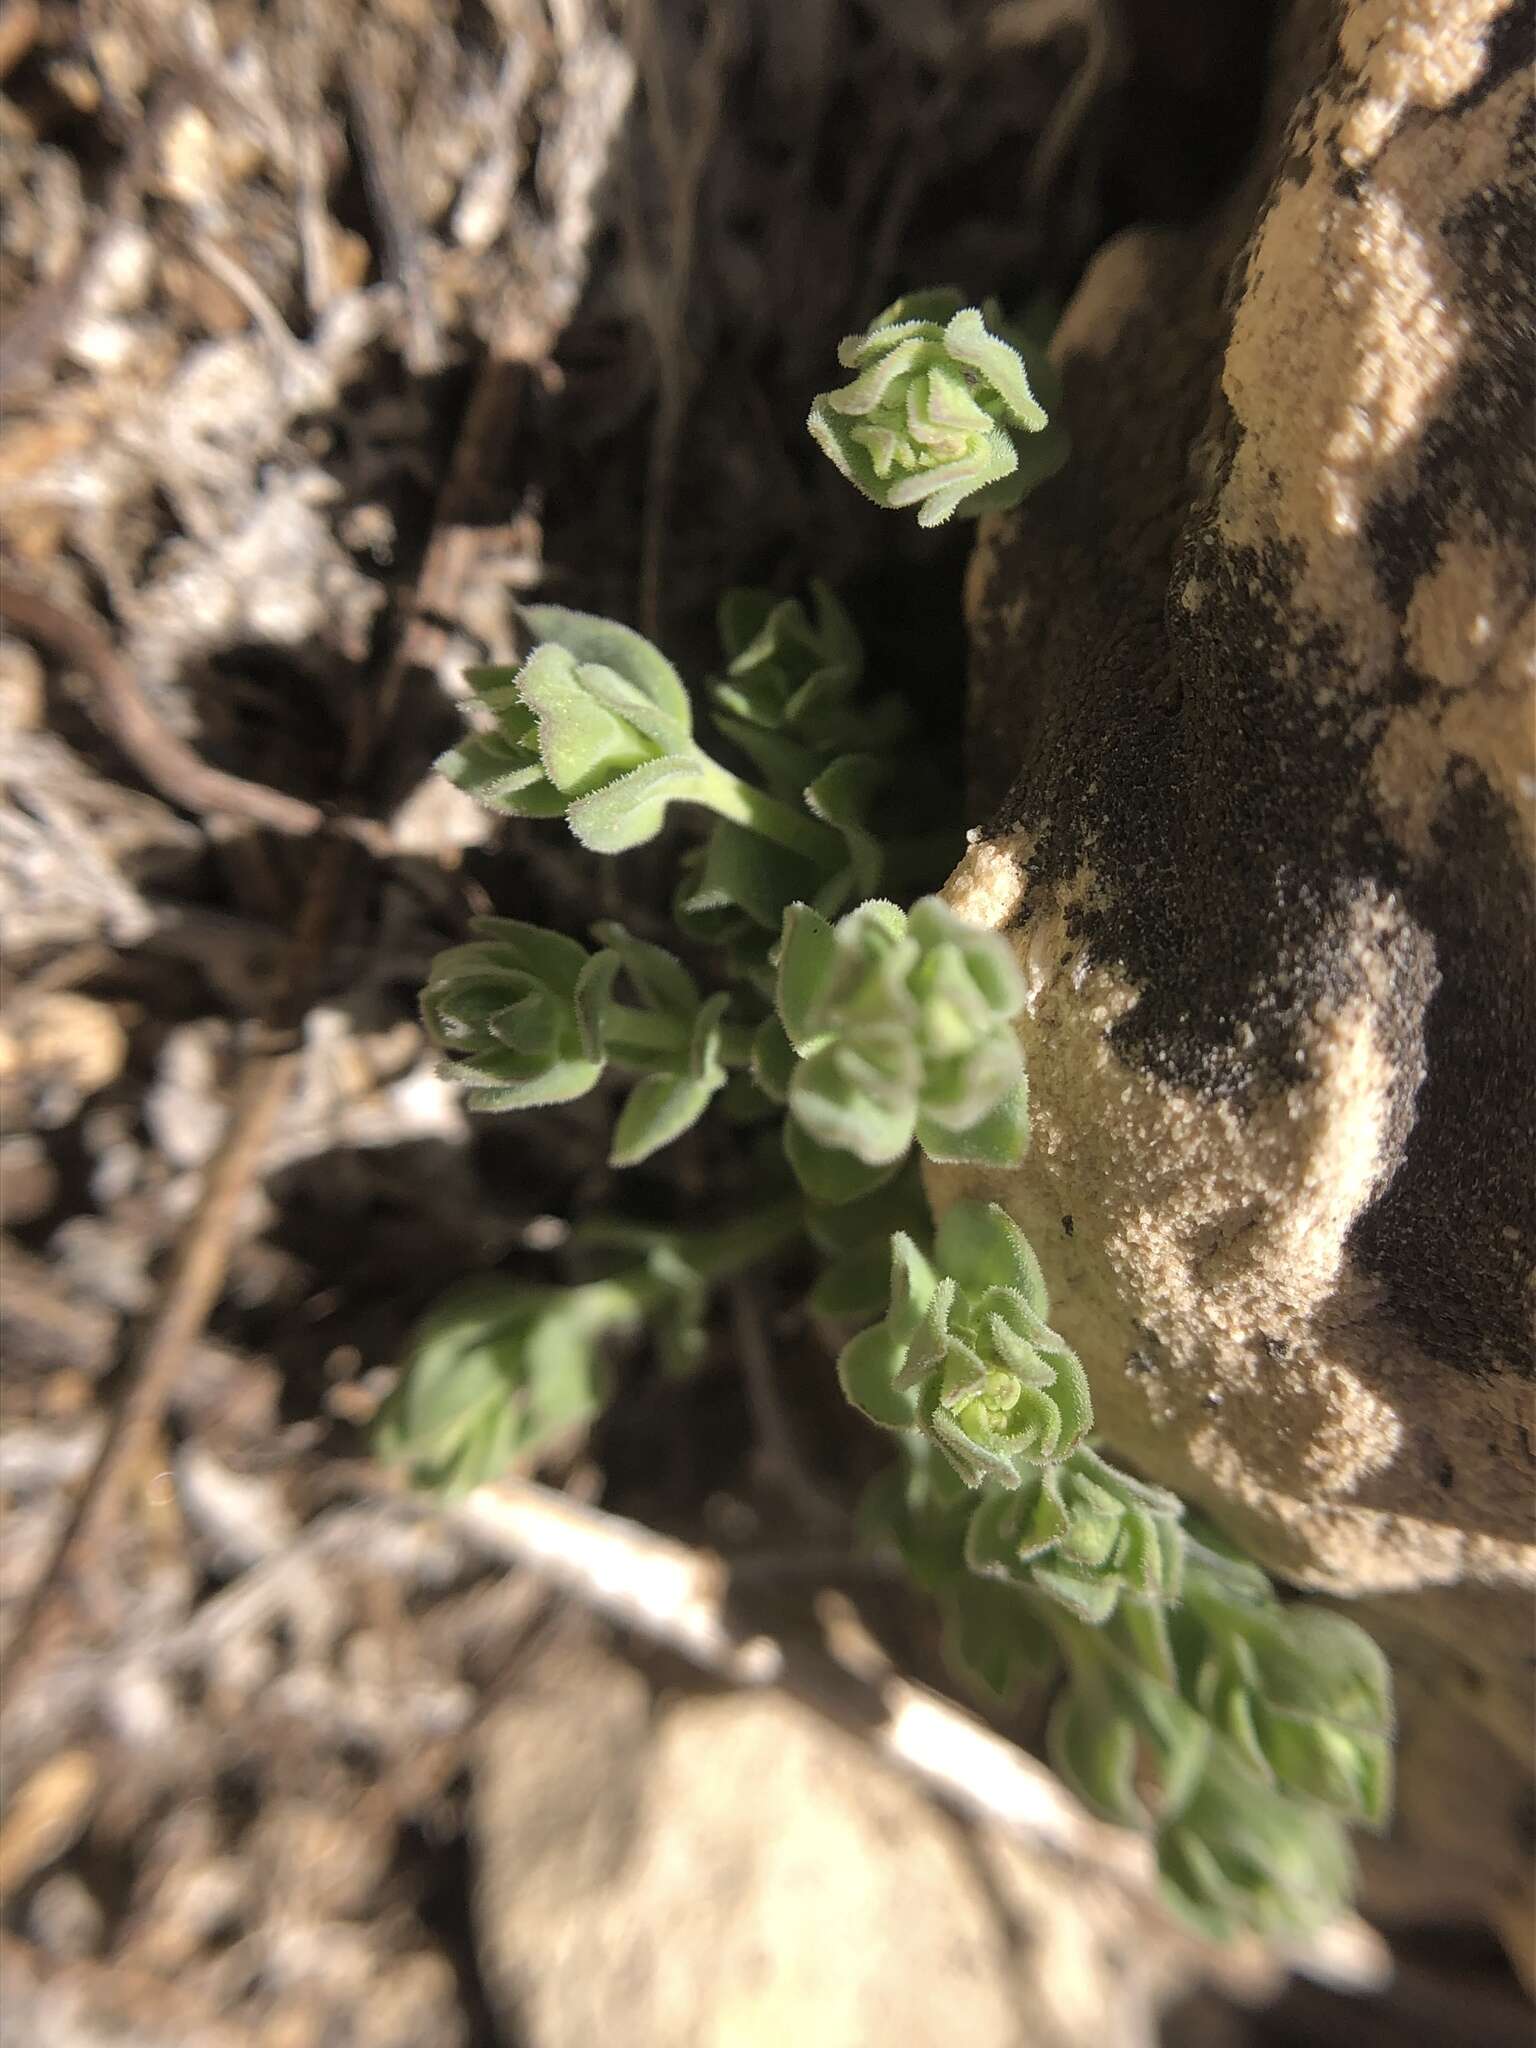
(333, 329)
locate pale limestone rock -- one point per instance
(735, 1872)
(1263, 657)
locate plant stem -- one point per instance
(733, 1246)
(713, 1254)
(729, 797)
(630, 1033)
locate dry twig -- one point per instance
(472, 519)
(373, 129)
(193, 1284)
(776, 1438)
(191, 1290)
(684, 151)
(166, 762)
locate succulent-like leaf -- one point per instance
(591, 639)
(503, 1008)
(842, 796)
(773, 1060)
(903, 1024)
(830, 1176)
(585, 742)
(659, 977)
(503, 776)
(792, 696)
(737, 870)
(998, 1138)
(981, 1246)
(785, 765)
(1085, 1535)
(664, 1105)
(858, 1094)
(992, 1641)
(994, 1387)
(498, 1373)
(1127, 1744)
(871, 1366)
(596, 725)
(632, 809)
(806, 953)
(1304, 1695)
(1243, 1855)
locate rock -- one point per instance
(1262, 658)
(735, 1871)
(57, 1049)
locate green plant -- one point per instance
(944, 412)
(851, 1034)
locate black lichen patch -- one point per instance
(1454, 1233)
(1510, 42)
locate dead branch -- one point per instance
(166, 762)
(776, 1438)
(373, 130)
(683, 153)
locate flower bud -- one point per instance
(504, 1008)
(790, 695)
(596, 725)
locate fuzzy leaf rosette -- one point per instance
(965, 1354)
(942, 414)
(901, 1023)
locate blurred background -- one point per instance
(332, 329)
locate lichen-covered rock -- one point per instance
(1262, 658)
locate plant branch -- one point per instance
(165, 761)
(743, 804)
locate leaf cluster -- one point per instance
(1244, 1732)
(942, 413)
(498, 1374)
(870, 1033)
